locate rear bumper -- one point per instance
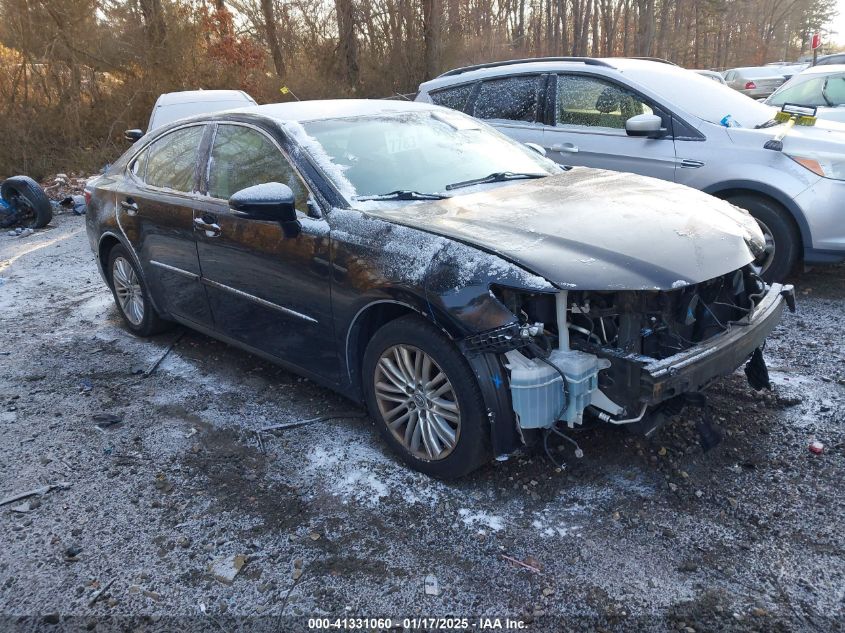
(695, 368)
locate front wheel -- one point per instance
(782, 240)
(131, 294)
(424, 399)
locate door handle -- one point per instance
(211, 229)
(129, 206)
(569, 148)
(691, 164)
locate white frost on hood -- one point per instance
(407, 253)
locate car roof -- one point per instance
(333, 109)
(201, 96)
(827, 69)
(604, 65)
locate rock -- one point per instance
(72, 553)
(152, 595)
(548, 591)
(297, 574)
(225, 569)
(432, 587)
(183, 542)
(314, 536)
(52, 618)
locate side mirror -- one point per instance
(648, 125)
(268, 202)
(537, 148)
(133, 135)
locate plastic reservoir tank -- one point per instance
(537, 390)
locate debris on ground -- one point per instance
(43, 490)
(816, 447)
(21, 232)
(432, 587)
(106, 420)
(322, 418)
(530, 563)
(72, 553)
(225, 569)
(100, 593)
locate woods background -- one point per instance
(75, 73)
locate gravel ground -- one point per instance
(156, 509)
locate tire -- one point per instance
(28, 199)
(462, 399)
(138, 312)
(781, 235)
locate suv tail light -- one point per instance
(750, 85)
(87, 197)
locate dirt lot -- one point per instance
(637, 535)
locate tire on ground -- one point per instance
(782, 227)
(151, 323)
(472, 448)
(23, 188)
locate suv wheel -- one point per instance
(424, 399)
(782, 240)
(131, 294)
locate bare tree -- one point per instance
(271, 33)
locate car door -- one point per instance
(267, 290)
(156, 211)
(513, 105)
(589, 128)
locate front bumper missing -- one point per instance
(695, 368)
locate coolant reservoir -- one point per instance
(536, 391)
(582, 379)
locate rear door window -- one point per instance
(172, 159)
(592, 102)
(242, 157)
(510, 98)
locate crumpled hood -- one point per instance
(596, 230)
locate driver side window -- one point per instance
(592, 102)
(242, 157)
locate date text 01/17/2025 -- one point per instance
(418, 623)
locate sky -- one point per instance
(838, 24)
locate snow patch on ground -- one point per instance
(483, 519)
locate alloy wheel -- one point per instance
(765, 259)
(127, 287)
(417, 401)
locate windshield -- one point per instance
(811, 90)
(421, 152)
(702, 97)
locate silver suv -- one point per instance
(660, 120)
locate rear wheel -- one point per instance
(424, 399)
(783, 243)
(131, 294)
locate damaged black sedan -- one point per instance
(471, 292)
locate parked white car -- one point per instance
(660, 120)
(819, 86)
(172, 106)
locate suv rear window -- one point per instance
(454, 97)
(511, 98)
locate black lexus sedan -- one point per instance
(470, 292)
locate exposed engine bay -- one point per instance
(619, 354)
